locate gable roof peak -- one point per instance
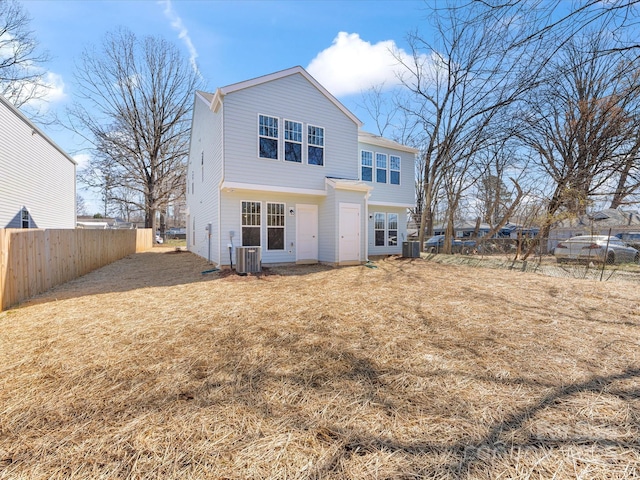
(297, 70)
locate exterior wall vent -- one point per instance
(248, 259)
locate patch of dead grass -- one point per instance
(149, 369)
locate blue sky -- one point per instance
(344, 44)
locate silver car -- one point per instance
(595, 248)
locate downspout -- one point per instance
(221, 182)
(366, 230)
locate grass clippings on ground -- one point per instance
(148, 369)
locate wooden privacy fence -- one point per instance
(33, 260)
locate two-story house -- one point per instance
(278, 162)
(37, 178)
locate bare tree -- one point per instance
(134, 106)
(463, 87)
(21, 75)
(578, 123)
(81, 206)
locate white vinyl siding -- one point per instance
(295, 99)
(203, 198)
(34, 174)
(383, 193)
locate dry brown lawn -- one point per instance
(148, 369)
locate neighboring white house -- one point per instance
(278, 162)
(37, 179)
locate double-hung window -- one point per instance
(315, 145)
(366, 164)
(251, 224)
(385, 229)
(293, 141)
(394, 170)
(381, 167)
(275, 226)
(378, 226)
(268, 137)
(392, 229)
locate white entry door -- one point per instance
(349, 233)
(306, 233)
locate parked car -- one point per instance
(435, 244)
(630, 238)
(159, 238)
(595, 248)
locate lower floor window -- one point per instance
(385, 229)
(275, 226)
(379, 229)
(251, 224)
(392, 229)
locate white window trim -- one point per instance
(384, 229)
(303, 150)
(324, 146)
(278, 138)
(387, 229)
(372, 167)
(259, 216)
(24, 210)
(284, 227)
(399, 170)
(376, 168)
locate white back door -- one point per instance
(306, 233)
(349, 233)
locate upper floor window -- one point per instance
(293, 141)
(268, 135)
(251, 224)
(275, 226)
(366, 163)
(315, 141)
(394, 170)
(381, 168)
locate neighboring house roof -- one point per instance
(34, 129)
(366, 137)
(215, 100)
(609, 217)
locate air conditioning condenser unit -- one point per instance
(248, 259)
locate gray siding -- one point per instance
(231, 222)
(385, 192)
(35, 174)
(203, 179)
(291, 98)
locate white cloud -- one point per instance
(352, 65)
(183, 33)
(82, 159)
